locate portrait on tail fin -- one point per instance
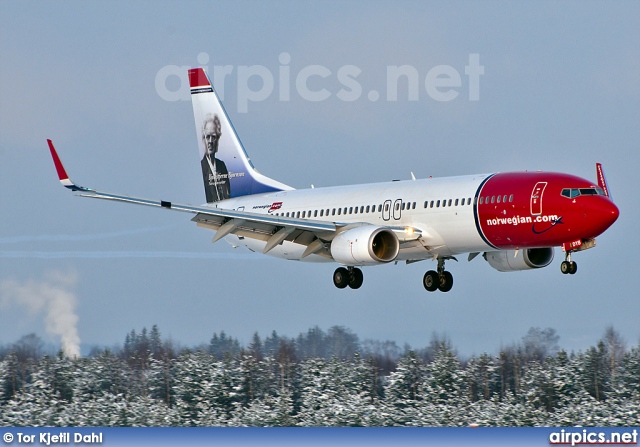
(214, 170)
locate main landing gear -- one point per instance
(440, 280)
(568, 266)
(350, 276)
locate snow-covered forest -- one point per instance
(320, 379)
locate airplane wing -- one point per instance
(314, 234)
(272, 229)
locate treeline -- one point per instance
(320, 379)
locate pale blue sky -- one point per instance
(561, 91)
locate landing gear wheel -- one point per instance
(341, 277)
(355, 278)
(446, 281)
(568, 267)
(431, 281)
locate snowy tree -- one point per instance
(269, 411)
(312, 344)
(336, 393)
(483, 378)
(341, 343)
(596, 373)
(384, 354)
(443, 376)
(223, 345)
(162, 380)
(628, 378)
(207, 390)
(37, 404)
(404, 389)
(615, 347)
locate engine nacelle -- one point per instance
(526, 259)
(365, 245)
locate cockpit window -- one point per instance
(570, 192)
(575, 192)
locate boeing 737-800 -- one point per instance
(515, 219)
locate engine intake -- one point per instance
(526, 259)
(365, 245)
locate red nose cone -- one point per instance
(602, 214)
(614, 212)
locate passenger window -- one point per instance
(504, 199)
(444, 203)
(511, 198)
(498, 200)
(456, 202)
(344, 211)
(333, 212)
(449, 204)
(339, 211)
(432, 204)
(414, 206)
(355, 210)
(362, 209)
(492, 198)
(303, 213)
(321, 213)
(438, 204)
(380, 208)
(315, 213)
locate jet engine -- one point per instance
(365, 245)
(513, 260)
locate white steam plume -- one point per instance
(53, 297)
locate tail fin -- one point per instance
(227, 171)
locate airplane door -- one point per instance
(536, 198)
(386, 210)
(397, 209)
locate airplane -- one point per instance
(515, 219)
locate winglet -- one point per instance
(602, 181)
(62, 173)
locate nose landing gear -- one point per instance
(568, 266)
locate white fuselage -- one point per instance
(448, 228)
